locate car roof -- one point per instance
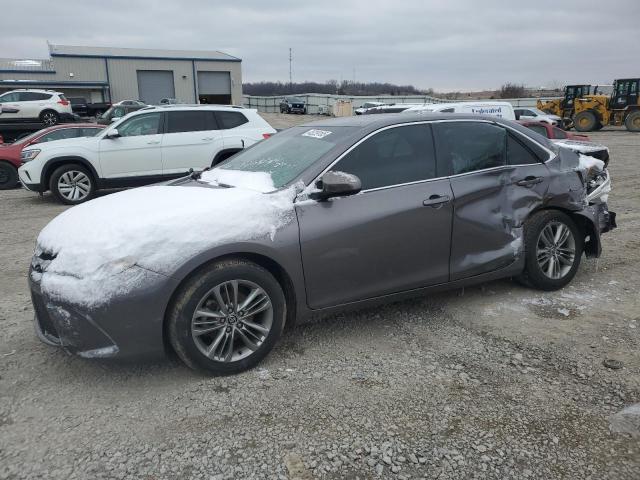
(371, 123)
(39, 90)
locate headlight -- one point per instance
(28, 155)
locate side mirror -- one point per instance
(112, 134)
(336, 184)
(115, 119)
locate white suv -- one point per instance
(146, 146)
(46, 106)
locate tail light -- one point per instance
(64, 103)
(266, 135)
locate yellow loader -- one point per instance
(622, 107)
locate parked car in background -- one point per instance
(116, 112)
(293, 105)
(81, 107)
(46, 106)
(552, 132)
(348, 212)
(366, 106)
(573, 141)
(131, 102)
(532, 113)
(388, 108)
(168, 101)
(10, 152)
(147, 146)
(491, 108)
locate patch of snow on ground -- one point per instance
(157, 227)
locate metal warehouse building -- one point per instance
(114, 74)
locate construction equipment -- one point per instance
(563, 107)
(622, 107)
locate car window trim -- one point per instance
(424, 122)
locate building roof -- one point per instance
(138, 53)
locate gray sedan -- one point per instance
(336, 214)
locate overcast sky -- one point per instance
(446, 45)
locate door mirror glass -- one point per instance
(336, 184)
(112, 134)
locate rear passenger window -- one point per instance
(392, 157)
(469, 146)
(188, 121)
(228, 120)
(518, 153)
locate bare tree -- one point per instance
(512, 90)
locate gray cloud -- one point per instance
(463, 44)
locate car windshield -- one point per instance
(295, 99)
(289, 153)
(539, 112)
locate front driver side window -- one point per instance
(140, 125)
(392, 157)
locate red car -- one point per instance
(10, 152)
(553, 133)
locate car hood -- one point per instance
(76, 142)
(95, 247)
(580, 146)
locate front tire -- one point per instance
(553, 248)
(632, 122)
(49, 118)
(585, 121)
(8, 176)
(227, 318)
(72, 184)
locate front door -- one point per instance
(496, 181)
(191, 140)
(138, 149)
(393, 236)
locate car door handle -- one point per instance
(436, 201)
(207, 139)
(153, 142)
(529, 181)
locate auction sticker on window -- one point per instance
(316, 133)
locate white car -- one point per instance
(46, 106)
(366, 106)
(146, 146)
(532, 113)
(491, 108)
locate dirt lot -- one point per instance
(497, 381)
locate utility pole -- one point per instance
(290, 74)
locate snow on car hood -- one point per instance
(95, 245)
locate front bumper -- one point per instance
(28, 183)
(602, 220)
(128, 326)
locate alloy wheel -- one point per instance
(232, 320)
(74, 185)
(556, 250)
(49, 118)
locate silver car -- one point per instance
(336, 214)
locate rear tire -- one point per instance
(72, 184)
(8, 176)
(49, 118)
(632, 122)
(585, 121)
(553, 247)
(210, 326)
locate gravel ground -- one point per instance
(497, 381)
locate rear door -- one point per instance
(496, 182)
(138, 149)
(391, 237)
(191, 140)
(235, 131)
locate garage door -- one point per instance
(214, 87)
(154, 85)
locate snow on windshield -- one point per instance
(258, 181)
(158, 228)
